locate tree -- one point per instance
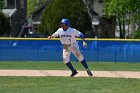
(33, 4)
(122, 9)
(1, 5)
(4, 24)
(74, 10)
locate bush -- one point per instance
(4, 24)
(136, 34)
(74, 10)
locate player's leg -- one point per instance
(75, 50)
(84, 63)
(66, 59)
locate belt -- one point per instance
(68, 44)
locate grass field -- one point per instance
(105, 66)
(67, 84)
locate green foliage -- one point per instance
(121, 7)
(4, 24)
(32, 5)
(74, 10)
(1, 5)
(114, 7)
(136, 34)
(123, 10)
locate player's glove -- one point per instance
(85, 44)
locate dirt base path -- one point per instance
(114, 74)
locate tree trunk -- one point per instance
(107, 27)
(132, 26)
(120, 26)
(123, 23)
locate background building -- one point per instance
(16, 11)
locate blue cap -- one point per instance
(65, 21)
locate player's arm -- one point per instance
(50, 37)
(83, 39)
(53, 35)
(80, 34)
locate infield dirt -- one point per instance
(66, 73)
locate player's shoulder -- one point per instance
(72, 29)
(59, 29)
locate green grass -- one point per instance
(108, 66)
(68, 85)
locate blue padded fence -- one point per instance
(51, 50)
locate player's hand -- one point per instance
(49, 37)
(85, 44)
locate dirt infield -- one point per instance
(114, 74)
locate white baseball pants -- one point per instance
(74, 48)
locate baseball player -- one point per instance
(67, 37)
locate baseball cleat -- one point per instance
(74, 72)
(89, 73)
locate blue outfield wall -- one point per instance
(99, 50)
